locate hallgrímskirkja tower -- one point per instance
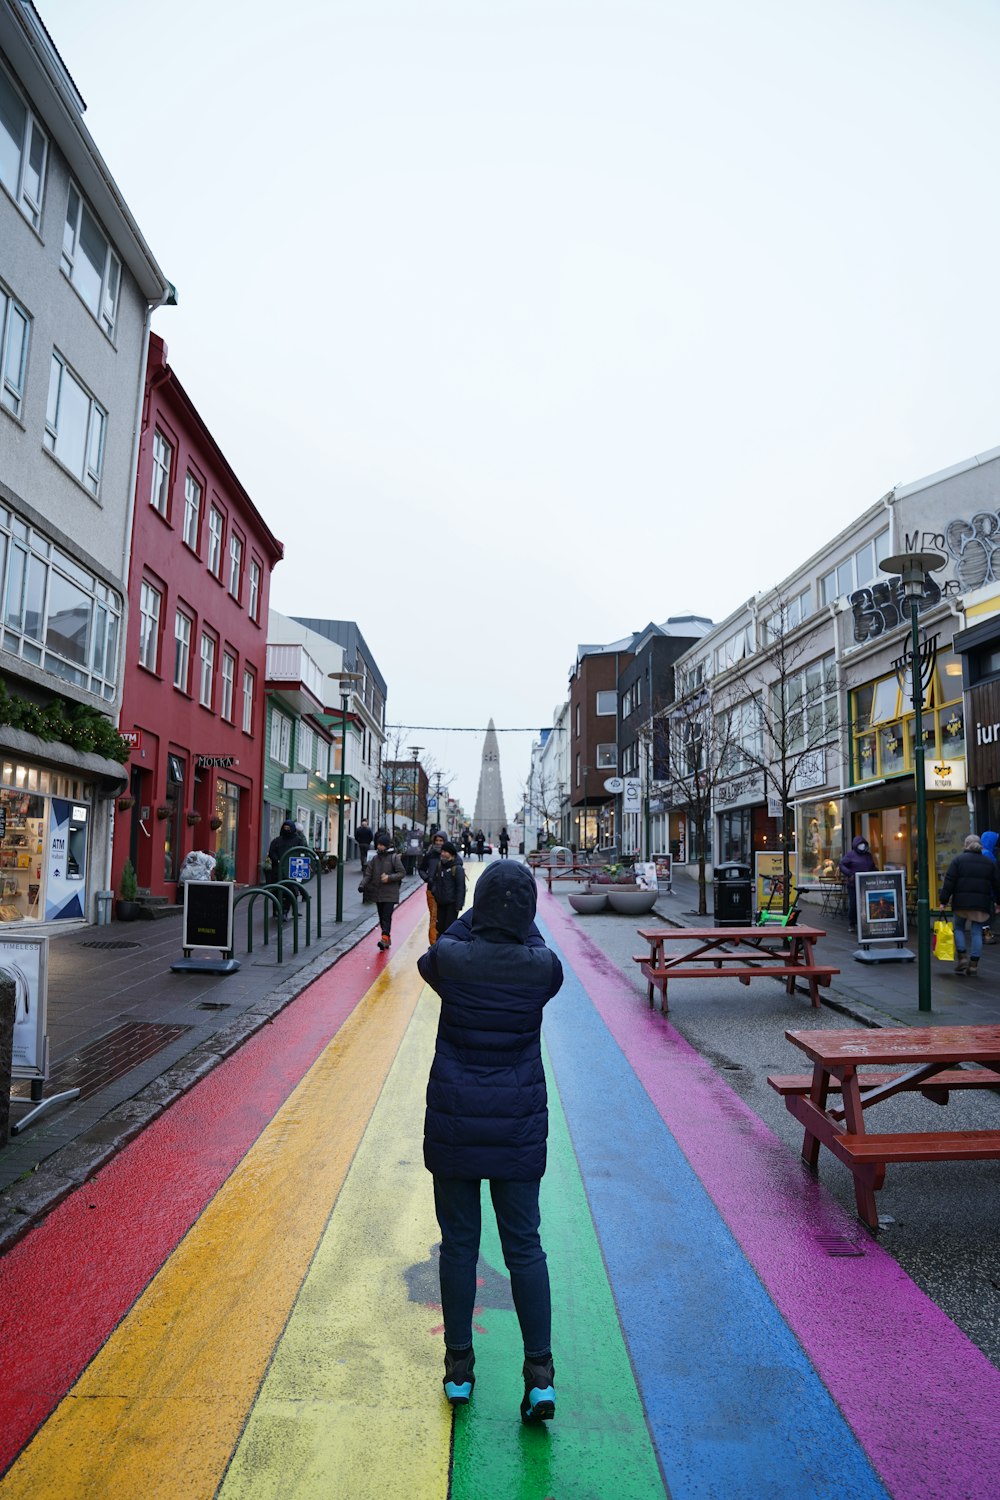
(490, 813)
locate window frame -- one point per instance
(235, 563)
(228, 678)
(159, 485)
(106, 312)
(604, 713)
(602, 760)
(253, 601)
(249, 696)
(280, 745)
(9, 309)
(192, 509)
(206, 670)
(149, 626)
(215, 541)
(182, 645)
(90, 477)
(26, 203)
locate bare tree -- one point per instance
(543, 797)
(782, 705)
(697, 754)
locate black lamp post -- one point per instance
(343, 678)
(415, 751)
(912, 569)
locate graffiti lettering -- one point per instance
(975, 546)
(881, 606)
(923, 541)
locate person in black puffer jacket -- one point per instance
(487, 1117)
(972, 885)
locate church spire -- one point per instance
(490, 815)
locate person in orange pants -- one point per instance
(427, 869)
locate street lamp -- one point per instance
(343, 678)
(912, 568)
(414, 751)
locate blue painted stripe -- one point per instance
(733, 1404)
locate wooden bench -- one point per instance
(785, 953)
(935, 1060)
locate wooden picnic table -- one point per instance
(781, 952)
(931, 1060)
(575, 872)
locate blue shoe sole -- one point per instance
(538, 1406)
(458, 1395)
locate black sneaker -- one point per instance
(539, 1404)
(459, 1379)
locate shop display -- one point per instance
(20, 855)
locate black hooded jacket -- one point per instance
(487, 1109)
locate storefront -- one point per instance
(45, 824)
(979, 650)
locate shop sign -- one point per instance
(770, 878)
(134, 737)
(217, 762)
(631, 795)
(881, 896)
(295, 781)
(810, 771)
(983, 735)
(741, 789)
(944, 775)
(208, 914)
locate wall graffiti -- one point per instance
(975, 546)
(880, 606)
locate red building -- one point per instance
(196, 648)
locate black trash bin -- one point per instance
(732, 890)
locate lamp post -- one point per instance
(343, 678)
(414, 751)
(912, 568)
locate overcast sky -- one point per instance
(525, 322)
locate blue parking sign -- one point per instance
(300, 867)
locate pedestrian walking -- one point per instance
(480, 844)
(363, 837)
(487, 1117)
(989, 843)
(288, 838)
(466, 844)
(972, 885)
(427, 869)
(858, 858)
(504, 842)
(448, 885)
(380, 883)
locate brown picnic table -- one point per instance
(931, 1060)
(575, 872)
(725, 952)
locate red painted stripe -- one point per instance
(68, 1283)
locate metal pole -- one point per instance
(340, 814)
(923, 893)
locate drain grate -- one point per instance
(836, 1244)
(213, 1005)
(114, 943)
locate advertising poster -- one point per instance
(770, 873)
(661, 863)
(208, 914)
(25, 961)
(67, 860)
(881, 906)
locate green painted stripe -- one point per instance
(599, 1444)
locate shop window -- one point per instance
(21, 857)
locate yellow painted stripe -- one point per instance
(160, 1408)
(987, 607)
(352, 1403)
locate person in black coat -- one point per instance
(504, 842)
(427, 869)
(447, 887)
(288, 838)
(858, 859)
(363, 837)
(480, 844)
(487, 1117)
(972, 885)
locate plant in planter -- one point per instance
(215, 823)
(127, 907)
(124, 803)
(163, 812)
(194, 817)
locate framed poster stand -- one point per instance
(664, 874)
(208, 927)
(25, 961)
(881, 899)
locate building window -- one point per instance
(578, 721)
(23, 150)
(281, 738)
(253, 603)
(248, 685)
(192, 510)
(578, 770)
(214, 540)
(182, 650)
(13, 351)
(150, 600)
(74, 425)
(207, 671)
(163, 456)
(789, 614)
(228, 679)
(89, 261)
(855, 571)
(235, 563)
(306, 748)
(607, 702)
(607, 757)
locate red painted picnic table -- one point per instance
(723, 952)
(931, 1060)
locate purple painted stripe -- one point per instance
(922, 1400)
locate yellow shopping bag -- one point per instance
(944, 942)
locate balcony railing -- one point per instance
(294, 664)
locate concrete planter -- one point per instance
(589, 902)
(631, 901)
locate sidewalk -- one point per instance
(133, 1036)
(883, 994)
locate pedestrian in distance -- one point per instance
(448, 886)
(972, 885)
(363, 837)
(380, 883)
(487, 1118)
(504, 842)
(480, 844)
(288, 838)
(427, 869)
(858, 858)
(466, 844)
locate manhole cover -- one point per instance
(836, 1244)
(114, 943)
(212, 1005)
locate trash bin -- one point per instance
(732, 890)
(103, 901)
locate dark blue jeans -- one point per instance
(458, 1208)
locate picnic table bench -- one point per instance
(781, 952)
(931, 1060)
(576, 872)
